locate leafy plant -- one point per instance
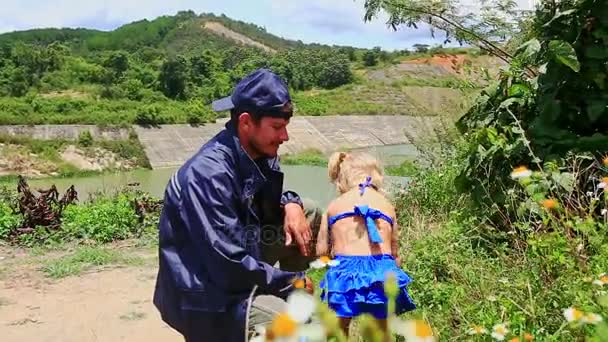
(525, 120)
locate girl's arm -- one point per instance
(322, 247)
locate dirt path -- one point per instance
(104, 305)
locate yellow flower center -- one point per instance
(528, 337)
(604, 278)
(325, 259)
(550, 203)
(283, 326)
(605, 161)
(515, 339)
(520, 169)
(478, 330)
(605, 180)
(576, 314)
(298, 284)
(500, 330)
(423, 329)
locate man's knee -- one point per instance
(264, 308)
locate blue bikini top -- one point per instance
(369, 214)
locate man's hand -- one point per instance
(297, 228)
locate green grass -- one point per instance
(406, 168)
(85, 259)
(310, 157)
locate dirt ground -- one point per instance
(105, 304)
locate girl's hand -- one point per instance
(398, 261)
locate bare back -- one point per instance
(349, 235)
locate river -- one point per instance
(308, 181)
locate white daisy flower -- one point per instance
(591, 318)
(323, 262)
(499, 331)
(602, 280)
(290, 326)
(573, 315)
(477, 330)
(521, 172)
(412, 330)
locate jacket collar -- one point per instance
(248, 170)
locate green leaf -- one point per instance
(559, 15)
(508, 102)
(595, 109)
(565, 54)
(603, 301)
(565, 180)
(519, 90)
(531, 48)
(517, 130)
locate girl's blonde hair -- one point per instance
(348, 170)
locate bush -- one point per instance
(468, 274)
(8, 220)
(85, 139)
(148, 115)
(535, 113)
(105, 220)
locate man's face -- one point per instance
(267, 135)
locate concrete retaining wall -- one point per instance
(171, 145)
(68, 132)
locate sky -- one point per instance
(338, 22)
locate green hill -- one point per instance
(185, 29)
(169, 69)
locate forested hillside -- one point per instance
(165, 70)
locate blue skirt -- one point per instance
(356, 286)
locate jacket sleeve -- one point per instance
(208, 210)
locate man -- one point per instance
(226, 221)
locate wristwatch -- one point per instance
(291, 197)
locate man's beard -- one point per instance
(255, 147)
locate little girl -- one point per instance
(360, 230)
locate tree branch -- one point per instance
(495, 50)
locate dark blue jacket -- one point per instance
(209, 231)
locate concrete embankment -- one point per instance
(67, 132)
(171, 145)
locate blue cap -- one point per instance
(262, 92)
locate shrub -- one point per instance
(105, 220)
(85, 139)
(8, 220)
